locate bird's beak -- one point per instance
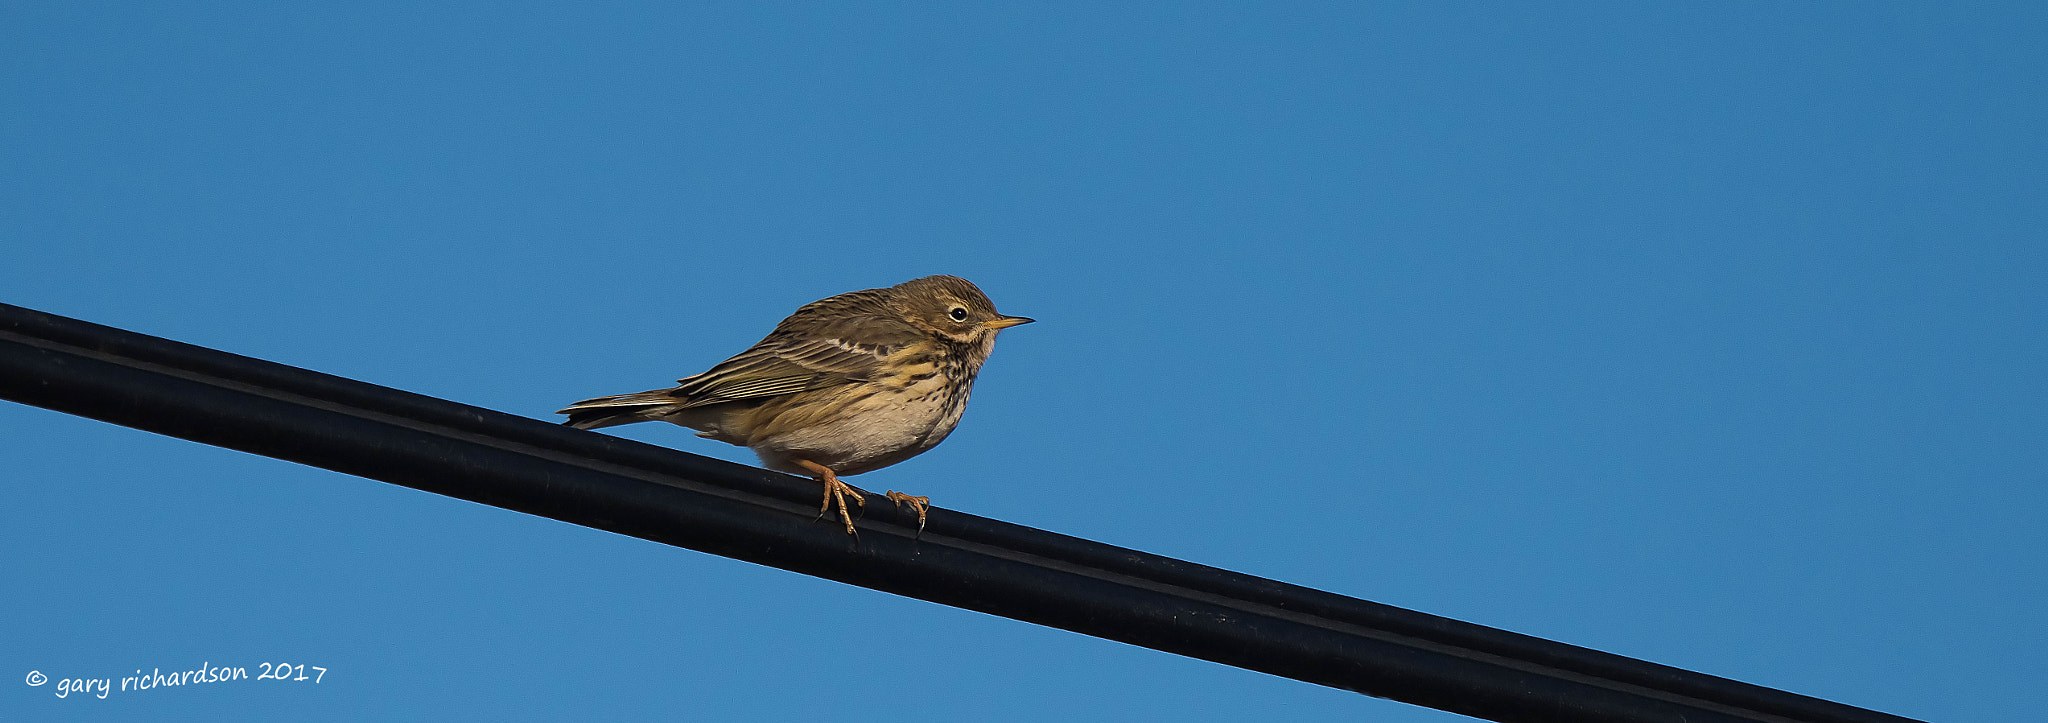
(1008, 321)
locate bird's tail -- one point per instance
(620, 409)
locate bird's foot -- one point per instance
(918, 503)
(836, 493)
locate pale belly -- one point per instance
(873, 436)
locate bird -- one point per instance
(846, 385)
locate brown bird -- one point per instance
(845, 385)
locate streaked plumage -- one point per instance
(845, 385)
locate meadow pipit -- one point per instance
(845, 385)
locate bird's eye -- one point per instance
(959, 313)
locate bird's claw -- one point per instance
(917, 502)
(836, 493)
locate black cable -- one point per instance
(767, 517)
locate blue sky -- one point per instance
(1707, 335)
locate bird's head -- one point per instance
(952, 308)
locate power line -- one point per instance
(713, 506)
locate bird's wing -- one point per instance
(800, 356)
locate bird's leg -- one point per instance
(835, 491)
(916, 503)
